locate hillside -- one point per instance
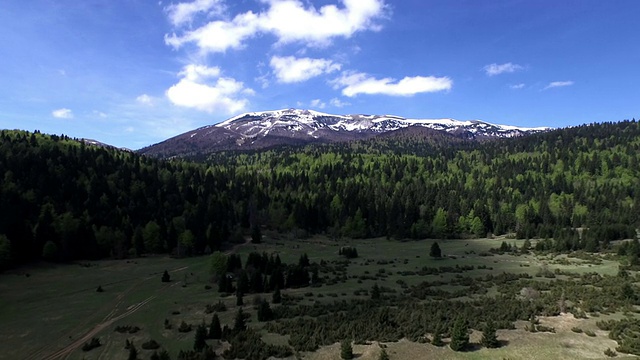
(62, 199)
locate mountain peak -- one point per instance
(255, 130)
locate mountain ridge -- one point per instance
(264, 129)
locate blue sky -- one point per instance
(135, 72)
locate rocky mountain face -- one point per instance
(266, 129)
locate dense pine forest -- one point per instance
(61, 199)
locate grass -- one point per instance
(56, 305)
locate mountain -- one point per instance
(265, 129)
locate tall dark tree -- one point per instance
(435, 251)
(489, 337)
(346, 351)
(199, 342)
(459, 335)
(277, 296)
(239, 323)
(215, 331)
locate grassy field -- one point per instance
(49, 311)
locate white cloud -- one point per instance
(289, 20)
(556, 84)
(290, 69)
(145, 99)
(338, 103)
(318, 104)
(184, 12)
(517, 86)
(100, 114)
(203, 88)
(359, 83)
(62, 113)
(495, 69)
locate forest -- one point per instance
(61, 199)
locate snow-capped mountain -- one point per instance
(294, 126)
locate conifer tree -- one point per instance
(459, 335)
(489, 337)
(277, 296)
(346, 351)
(435, 251)
(215, 331)
(200, 337)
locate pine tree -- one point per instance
(239, 300)
(200, 337)
(437, 337)
(239, 322)
(435, 251)
(166, 277)
(375, 292)
(133, 353)
(459, 335)
(264, 311)
(489, 337)
(215, 331)
(346, 351)
(277, 296)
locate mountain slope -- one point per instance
(296, 127)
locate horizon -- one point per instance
(133, 74)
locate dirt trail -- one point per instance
(107, 321)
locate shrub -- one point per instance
(184, 327)
(576, 330)
(92, 344)
(610, 353)
(150, 345)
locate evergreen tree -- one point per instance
(200, 337)
(435, 251)
(256, 234)
(437, 337)
(264, 311)
(239, 323)
(277, 297)
(346, 351)
(383, 355)
(489, 337)
(215, 331)
(133, 353)
(239, 300)
(166, 277)
(375, 292)
(459, 335)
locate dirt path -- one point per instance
(107, 321)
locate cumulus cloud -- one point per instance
(495, 69)
(556, 84)
(62, 113)
(517, 86)
(338, 103)
(354, 83)
(184, 12)
(289, 20)
(145, 99)
(202, 88)
(290, 69)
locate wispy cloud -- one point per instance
(497, 69)
(182, 13)
(62, 113)
(290, 69)
(338, 103)
(517, 86)
(289, 21)
(318, 104)
(354, 83)
(556, 84)
(202, 88)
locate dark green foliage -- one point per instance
(489, 337)
(349, 252)
(92, 344)
(264, 311)
(239, 322)
(131, 329)
(133, 353)
(383, 355)
(459, 335)
(610, 353)
(437, 337)
(200, 338)
(277, 296)
(99, 289)
(256, 234)
(239, 298)
(375, 292)
(249, 345)
(150, 345)
(435, 251)
(346, 351)
(184, 327)
(166, 277)
(215, 331)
